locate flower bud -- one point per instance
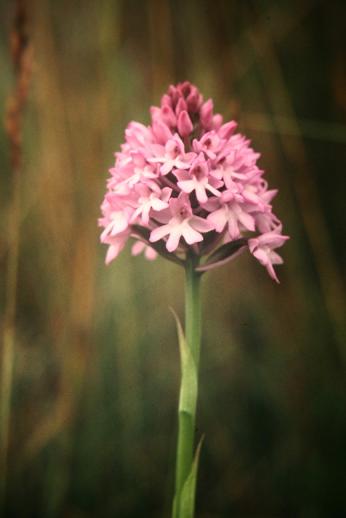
(185, 125)
(181, 106)
(227, 129)
(207, 114)
(161, 132)
(168, 115)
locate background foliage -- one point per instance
(93, 416)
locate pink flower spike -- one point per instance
(160, 189)
(185, 125)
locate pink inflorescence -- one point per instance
(189, 184)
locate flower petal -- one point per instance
(201, 224)
(174, 238)
(159, 233)
(190, 235)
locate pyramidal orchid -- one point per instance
(190, 181)
(188, 187)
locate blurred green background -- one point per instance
(96, 372)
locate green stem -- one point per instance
(186, 425)
(193, 309)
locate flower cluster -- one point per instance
(188, 183)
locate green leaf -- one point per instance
(187, 498)
(188, 387)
